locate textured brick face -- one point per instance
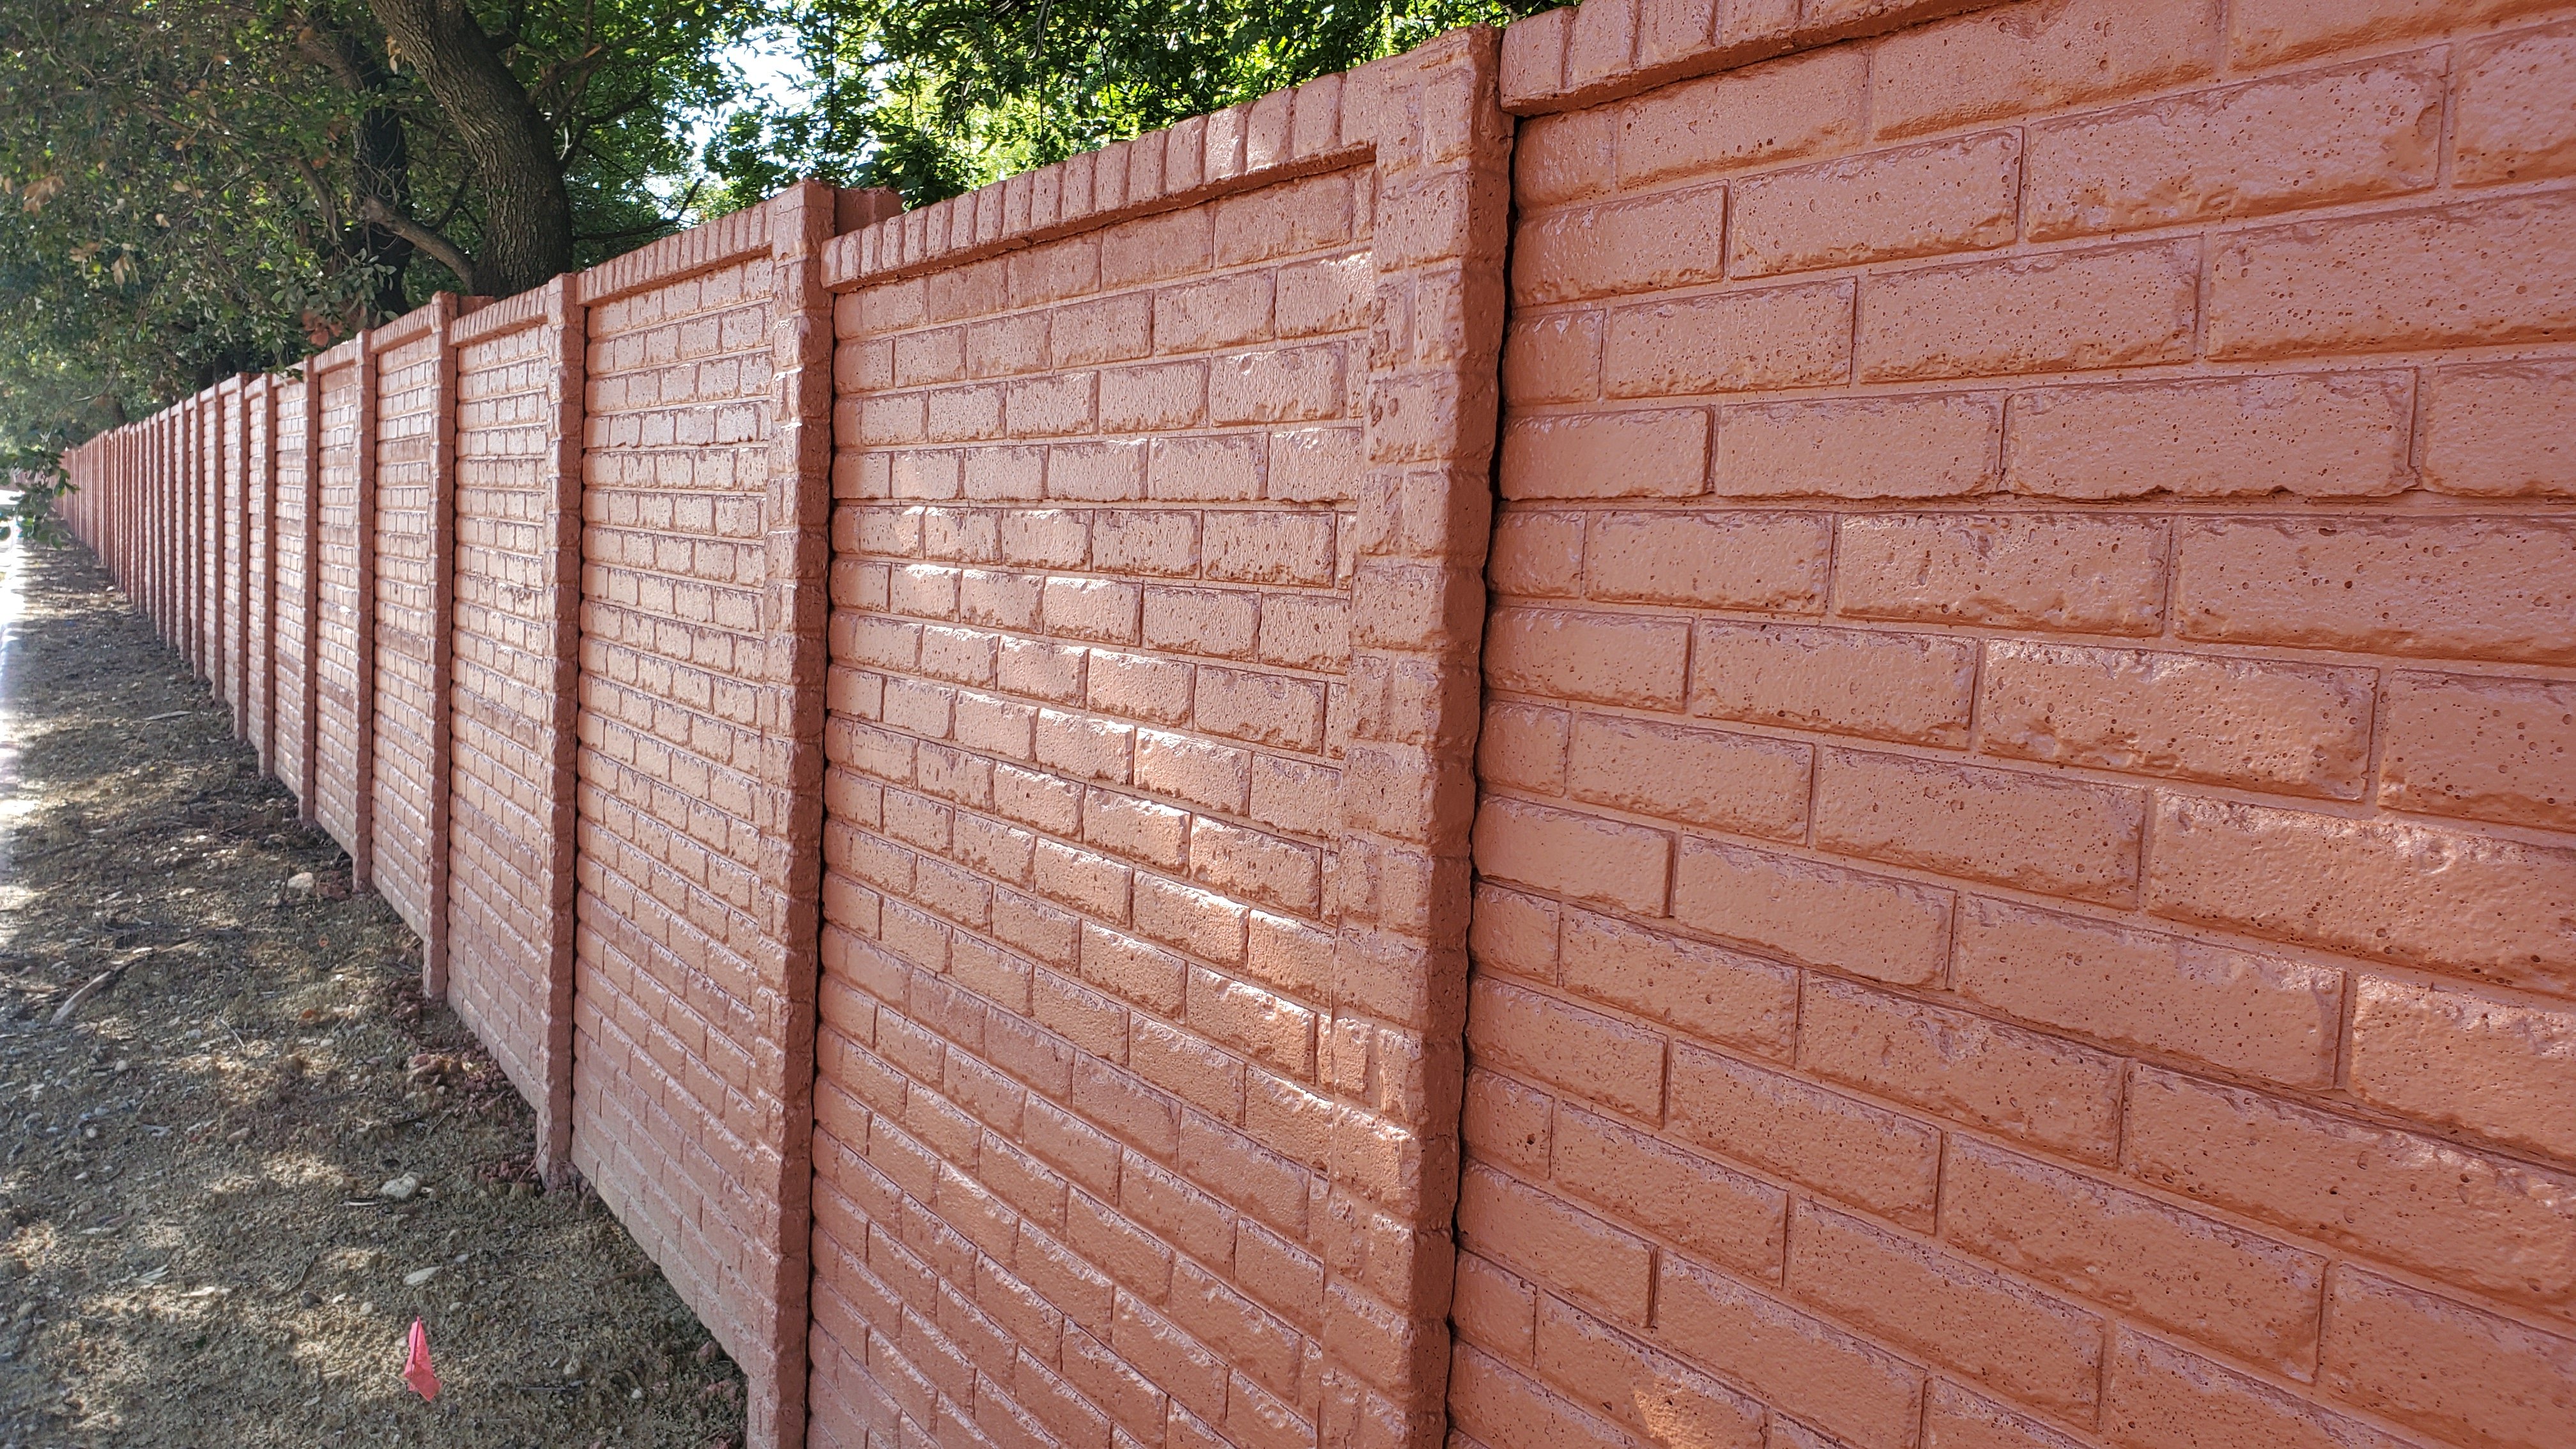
(411, 546)
(510, 894)
(1090, 711)
(677, 1022)
(1150, 590)
(2026, 766)
(343, 499)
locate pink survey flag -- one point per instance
(416, 1370)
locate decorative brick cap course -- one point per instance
(1319, 126)
(1601, 50)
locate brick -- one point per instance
(1741, 341)
(1330, 295)
(1913, 688)
(1582, 856)
(1953, 1418)
(2480, 747)
(2020, 1083)
(2504, 1070)
(2263, 32)
(1619, 248)
(1792, 108)
(1536, 555)
(2160, 1397)
(2083, 574)
(1270, 547)
(2287, 728)
(1661, 454)
(1289, 384)
(2509, 124)
(1944, 446)
(2478, 1222)
(1715, 994)
(1492, 1399)
(2136, 990)
(2476, 273)
(1545, 1239)
(2497, 432)
(2233, 1290)
(2451, 1370)
(1864, 1395)
(1145, 399)
(1603, 658)
(2036, 1348)
(1507, 1123)
(2026, 58)
(1595, 1058)
(1204, 315)
(2385, 889)
(1314, 465)
(1956, 195)
(1744, 784)
(2314, 435)
(1764, 561)
(1565, 156)
(1552, 359)
(1857, 1152)
(1523, 746)
(1615, 1376)
(2120, 306)
(1812, 913)
(1735, 1221)
(2322, 138)
(1158, 541)
(2470, 589)
(2036, 832)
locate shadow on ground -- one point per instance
(200, 1247)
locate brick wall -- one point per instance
(414, 538)
(344, 634)
(516, 631)
(703, 486)
(259, 570)
(2025, 832)
(1154, 582)
(292, 586)
(2020, 791)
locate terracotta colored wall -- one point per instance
(259, 569)
(1154, 587)
(2022, 810)
(291, 589)
(344, 601)
(414, 539)
(518, 540)
(2025, 842)
(703, 489)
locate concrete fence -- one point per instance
(1749, 724)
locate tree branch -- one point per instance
(446, 253)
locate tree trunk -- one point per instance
(527, 218)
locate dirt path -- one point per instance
(201, 1249)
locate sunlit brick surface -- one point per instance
(407, 712)
(2027, 747)
(517, 556)
(343, 618)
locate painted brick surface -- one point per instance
(2024, 770)
(413, 528)
(515, 644)
(292, 586)
(705, 470)
(2020, 795)
(344, 600)
(1160, 497)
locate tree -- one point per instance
(190, 188)
(932, 97)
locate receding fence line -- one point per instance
(1986, 596)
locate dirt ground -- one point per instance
(200, 1247)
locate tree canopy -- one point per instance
(191, 188)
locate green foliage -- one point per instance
(183, 183)
(933, 97)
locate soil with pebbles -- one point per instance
(197, 1243)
